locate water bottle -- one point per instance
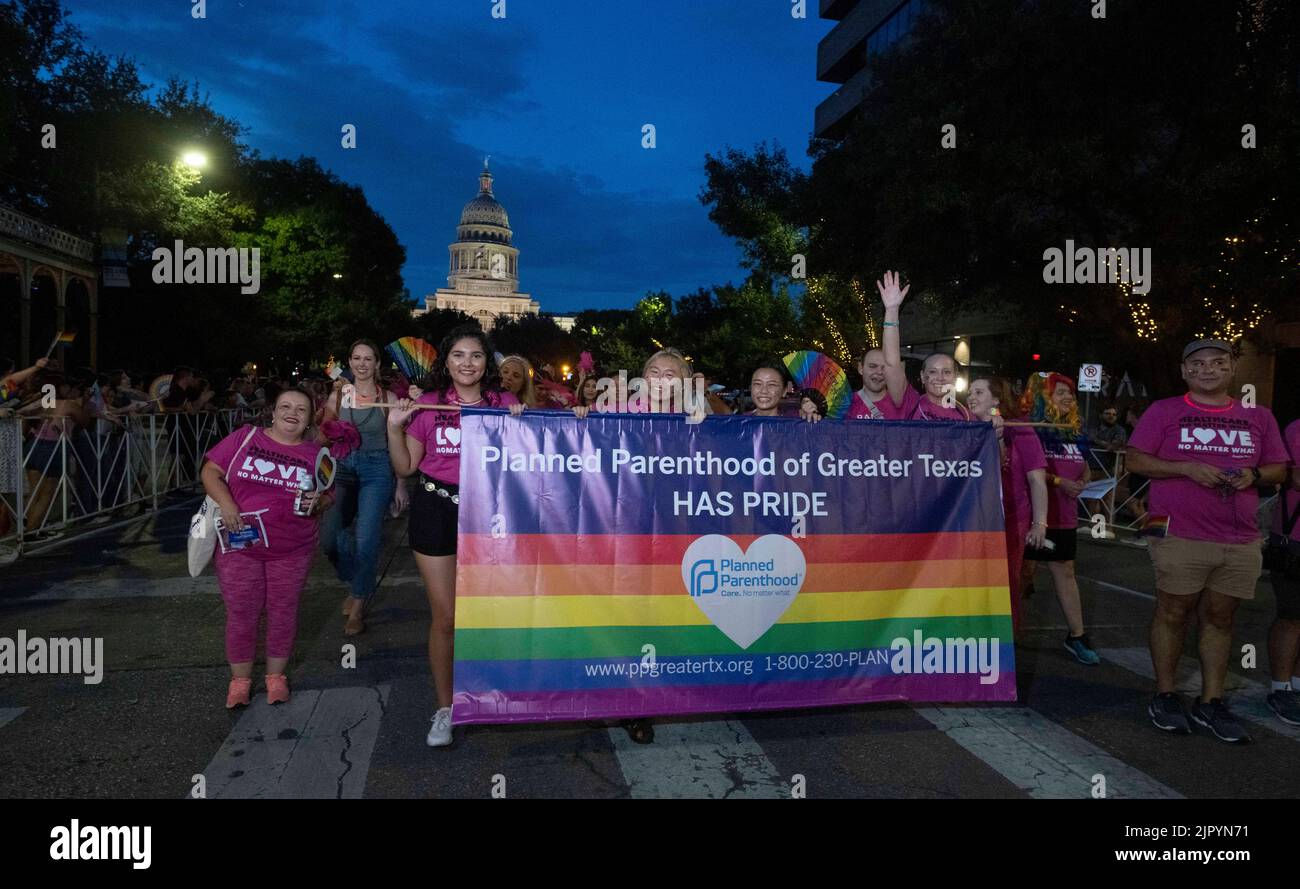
(305, 486)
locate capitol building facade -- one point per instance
(483, 269)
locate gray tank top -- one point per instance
(370, 423)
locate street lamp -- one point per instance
(196, 160)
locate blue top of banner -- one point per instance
(659, 474)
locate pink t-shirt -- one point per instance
(920, 407)
(440, 432)
(860, 410)
(1292, 437)
(1024, 454)
(1227, 437)
(266, 476)
(1066, 459)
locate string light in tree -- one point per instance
(869, 323)
(816, 289)
(1140, 312)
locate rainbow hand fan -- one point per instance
(813, 370)
(414, 357)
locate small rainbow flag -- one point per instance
(1154, 526)
(62, 338)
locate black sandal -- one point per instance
(641, 731)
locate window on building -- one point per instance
(894, 28)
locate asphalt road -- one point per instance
(156, 722)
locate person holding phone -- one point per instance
(266, 546)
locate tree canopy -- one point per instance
(330, 264)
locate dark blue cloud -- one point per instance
(557, 93)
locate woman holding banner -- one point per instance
(263, 555)
(1024, 485)
(517, 379)
(666, 374)
(938, 400)
(1066, 451)
(352, 533)
(465, 374)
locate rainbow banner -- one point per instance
(629, 565)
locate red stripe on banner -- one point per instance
(617, 703)
(668, 549)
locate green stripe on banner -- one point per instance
(606, 642)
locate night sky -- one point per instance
(556, 93)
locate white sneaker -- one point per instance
(440, 731)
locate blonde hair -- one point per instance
(683, 365)
(528, 392)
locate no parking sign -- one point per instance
(1090, 378)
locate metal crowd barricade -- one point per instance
(1112, 507)
(60, 482)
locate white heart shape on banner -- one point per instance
(263, 467)
(1204, 436)
(453, 435)
(743, 594)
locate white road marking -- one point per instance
(698, 760)
(316, 746)
(1249, 704)
(1116, 587)
(1045, 760)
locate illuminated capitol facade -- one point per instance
(483, 272)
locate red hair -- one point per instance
(1055, 378)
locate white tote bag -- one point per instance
(203, 524)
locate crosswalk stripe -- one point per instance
(1045, 760)
(698, 760)
(315, 746)
(9, 714)
(1249, 704)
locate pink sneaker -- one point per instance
(277, 688)
(237, 694)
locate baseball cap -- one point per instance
(1197, 345)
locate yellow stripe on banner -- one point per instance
(500, 612)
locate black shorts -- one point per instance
(1287, 592)
(432, 526)
(1067, 544)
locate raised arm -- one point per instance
(892, 297)
(19, 377)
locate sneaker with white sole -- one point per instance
(1286, 704)
(1168, 713)
(1215, 716)
(440, 731)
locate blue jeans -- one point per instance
(352, 531)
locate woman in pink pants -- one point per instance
(265, 574)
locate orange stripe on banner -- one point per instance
(666, 580)
(668, 549)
